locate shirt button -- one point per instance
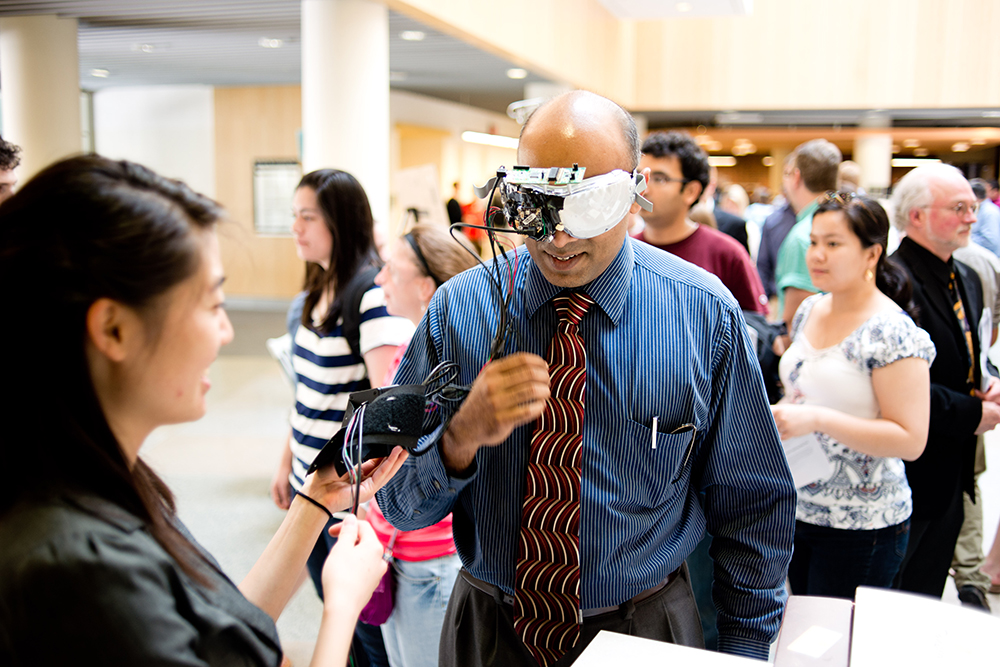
(416, 511)
(437, 484)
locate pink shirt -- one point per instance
(414, 545)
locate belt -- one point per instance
(502, 598)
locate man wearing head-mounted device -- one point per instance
(540, 202)
(673, 408)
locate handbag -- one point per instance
(379, 606)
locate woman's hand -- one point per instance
(354, 566)
(281, 489)
(334, 492)
(795, 420)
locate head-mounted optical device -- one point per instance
(540, 202)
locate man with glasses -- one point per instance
(812, 172)
(935, 208)
(678, 175)
(654, 424)
(986, 231)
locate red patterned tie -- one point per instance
(547, 599)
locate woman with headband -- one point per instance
(424, 561)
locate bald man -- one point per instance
(676, 434)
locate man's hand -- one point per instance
(992, 393)
(991, 417)
(508, 393)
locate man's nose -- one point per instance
(561, 238)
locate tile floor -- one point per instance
(220, 469)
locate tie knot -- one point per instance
(572, 307)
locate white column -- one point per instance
(345, 93)
(873, 153)
(40, 75)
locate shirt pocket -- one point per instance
(645, 475)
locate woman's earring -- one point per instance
(869, 275)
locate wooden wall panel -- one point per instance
(253, 124)
(790, 54)
(853, 54)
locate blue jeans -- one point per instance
(412, 634)
(832, 562)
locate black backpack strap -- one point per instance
(351, 308)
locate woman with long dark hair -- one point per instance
(857, 376)
(115, 277)
(343, 340)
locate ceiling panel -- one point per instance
(217, 42)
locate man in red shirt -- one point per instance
(679, 174)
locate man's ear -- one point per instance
(915, 219)
(635, 205)
(692, 192)
(111, 328)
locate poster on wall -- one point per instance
(274, 184)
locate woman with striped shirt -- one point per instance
(334, 235)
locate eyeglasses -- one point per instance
(960, 209)
(659, 178)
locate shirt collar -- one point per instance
(939, 270)
(608, 290)
(808, 211)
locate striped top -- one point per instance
(667, 341)
(327, 372)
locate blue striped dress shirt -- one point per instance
(665, 342)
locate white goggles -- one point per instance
(540, 202)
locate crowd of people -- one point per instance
(619, 462)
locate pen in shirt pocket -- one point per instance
(683, 428)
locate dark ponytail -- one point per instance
(869, 222)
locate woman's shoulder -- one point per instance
(69, 531)
(890, 335)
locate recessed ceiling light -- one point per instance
(517, 73)
(683, 7)
(721, 161)
(960, 147)
(895, 148)
(911, 143)
(978, 142)
(100, 73)
(413, 35)
(768, 161)
(270, 42)
(912, 162)
(921, 152)
(490, 139)
(397, 76)
(713, 146)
